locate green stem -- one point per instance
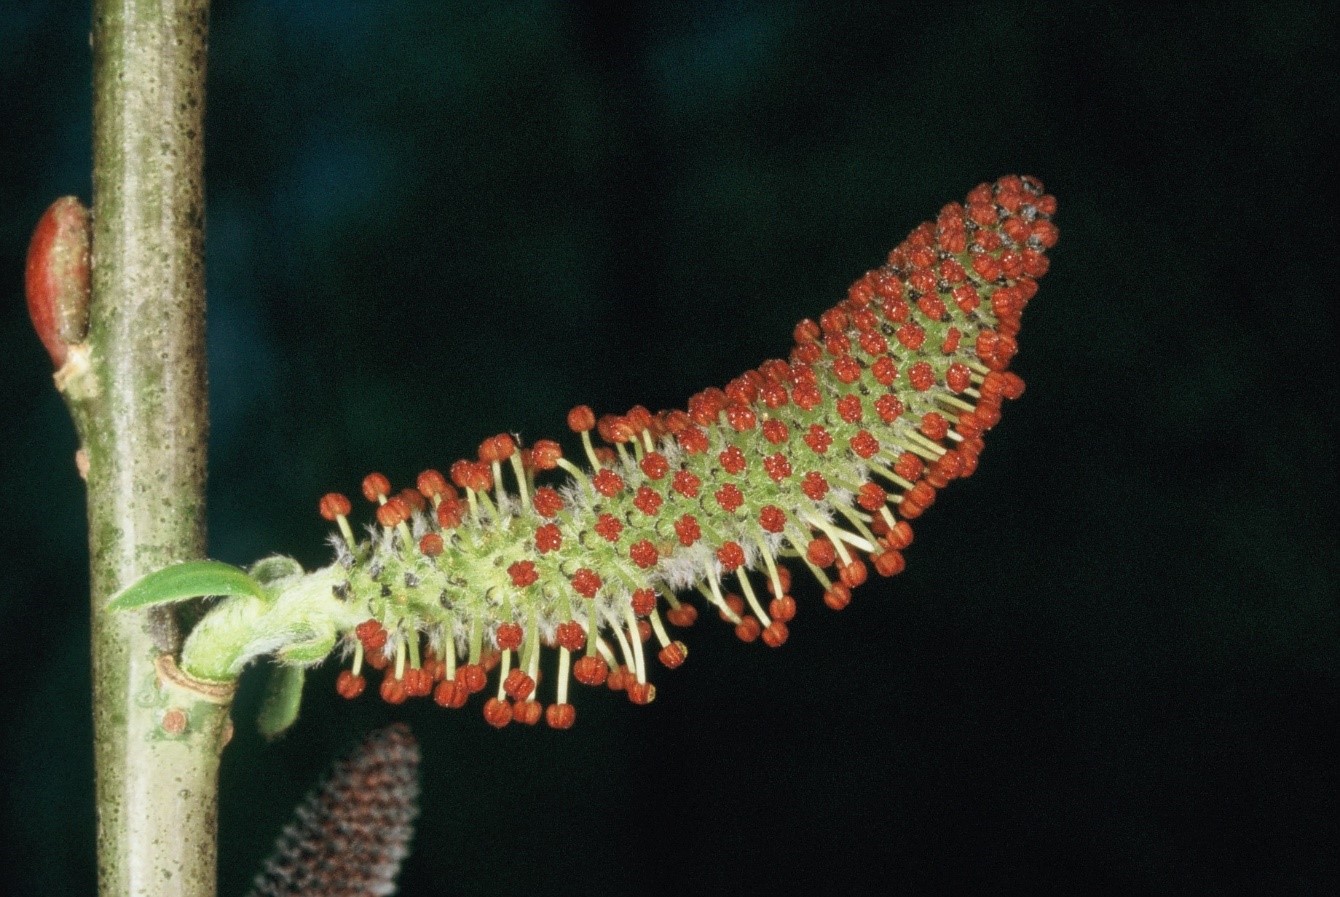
(156, 737)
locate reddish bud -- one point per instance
(56, 277)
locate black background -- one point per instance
(1113, 660)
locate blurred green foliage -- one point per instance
(1113, 659)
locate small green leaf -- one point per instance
(190, 579)
(283, 694)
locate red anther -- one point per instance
(686, 484)
(393, 513)
(732, 459)
(774, 431)
(609, 527)
(837, 597)
(523, 574)
(432, 484)
(376, 487)
(349, 686)
(731, 556)
(889, 407)
(741, 417)
(852, 574)
(586, 582)
(817, 439)
(807, 396)
(607, 483)
(683, 616)
(688, 530)
(889, 563)
(654, 465)
(783, 608)
(497, 448)
(571, 635)
(370, 633)
(899, 536)
(450, 513)
(431, 545)
(692, 440)
(846, 369)
(1012, 264)
(986, 266)
(874, 344)
(952, 272)
(1012, 385)
(548, 538)
(945, 470)
(644, 554)
(1017, 229)
(966, 298)
(849, 408)
(885, 370)
(911, 336)
(560, 716)
(418, 683)
(545, 453)
(527, 713)
(958, 376)
(968, 425)
(471, 475)
(908, 466)
(581, 419)
(643, 601)
(806, 332)
(497, 713)
(473, 677)
(729, 497)
(748, 629)
(393, 690)
(773, 395)
(450, 694)
(778, 467)
(814, 485)
(871, 497)
(921, 375)
(643, 630)
(590, 670)
(982, 212)
(776, 634)
(932, 306)
(772, 519)
(896, 310)
(414, 498)
(784, 578)
(639, 418)
(333, 506)
(518, 685)
(736, 605)
(547, 501)
(648, 501)
(833, 321)
(673, 655)
(864, 445)
(837, 345)
(641, 692)
(376, 659)
(934, 425)
(434, 667)
(509, 636)
(614, 429)
(821, 552)
(1045, 233)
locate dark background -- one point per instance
(1113, 659)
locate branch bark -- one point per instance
(143, 425)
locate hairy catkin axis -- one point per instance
(822, 459)
(349, 836)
